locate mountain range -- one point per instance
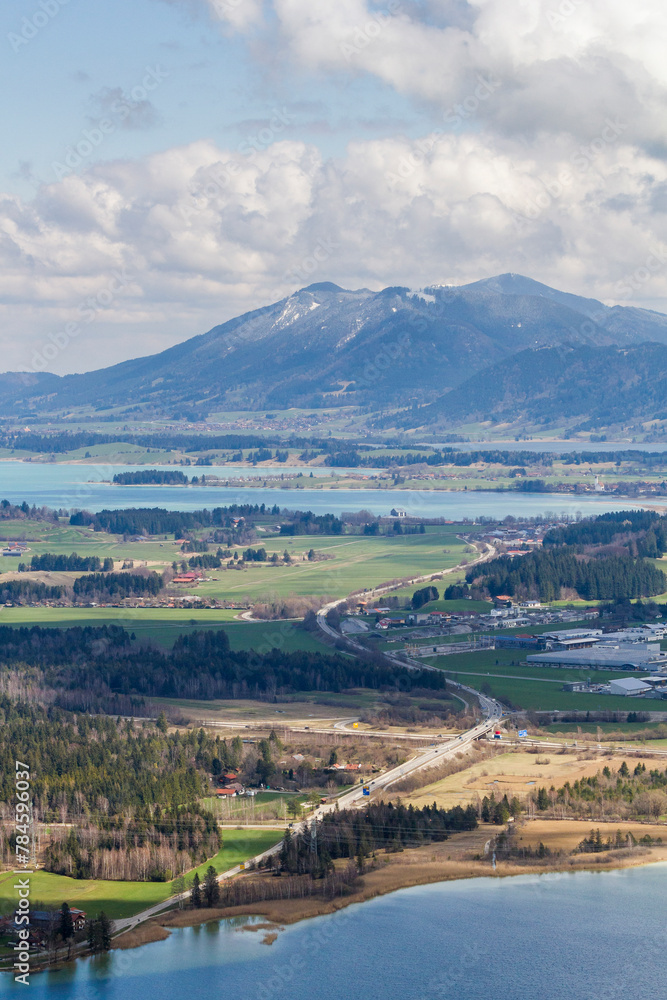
(495, 349)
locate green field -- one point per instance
(358, 562)
(124, 899)
(534, 688)
(351, 560)
(162, 626)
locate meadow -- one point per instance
(124, 899)
(162, 626)
(499, 672)
(512, 774)
(346, 564)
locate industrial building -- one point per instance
(630, 656)
(631, 687)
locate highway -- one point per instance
(585, 745)
(429, 757)
(491, 710)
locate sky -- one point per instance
(170, 164)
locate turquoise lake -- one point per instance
(81, 486)
(583, 936)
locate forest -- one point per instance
(307, 523)
(18, 591)
(85, 665)
(603, 558)
(626, 793)
(50, 563)
(111, 586)
(158, 521)
(640, 532)
(353, 833)
(158, 477)
(130, 792)
(545, 573)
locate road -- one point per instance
(426, 758)
(487, 553)
(491, 710)
(586, 745)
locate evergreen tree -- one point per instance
(105, 931)
(195, 894)
(211, 887)
(542, 799)
(93, 936)
(66, 926)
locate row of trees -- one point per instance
(160, 477)
(145, 849)
(158, 521)
(118, 585)
(29, 591)
(49, 562)
(629, 794)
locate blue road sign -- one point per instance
(523, 732)
(367, 791)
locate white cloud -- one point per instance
(240, 15)
(201, 234)
(563, 63)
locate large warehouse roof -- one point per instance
(635, 656)
(629, 685)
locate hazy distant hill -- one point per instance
(597, 385)
(326, 346)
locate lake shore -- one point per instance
(451, 860)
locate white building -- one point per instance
(629, 686)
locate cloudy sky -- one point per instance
(168, 164)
